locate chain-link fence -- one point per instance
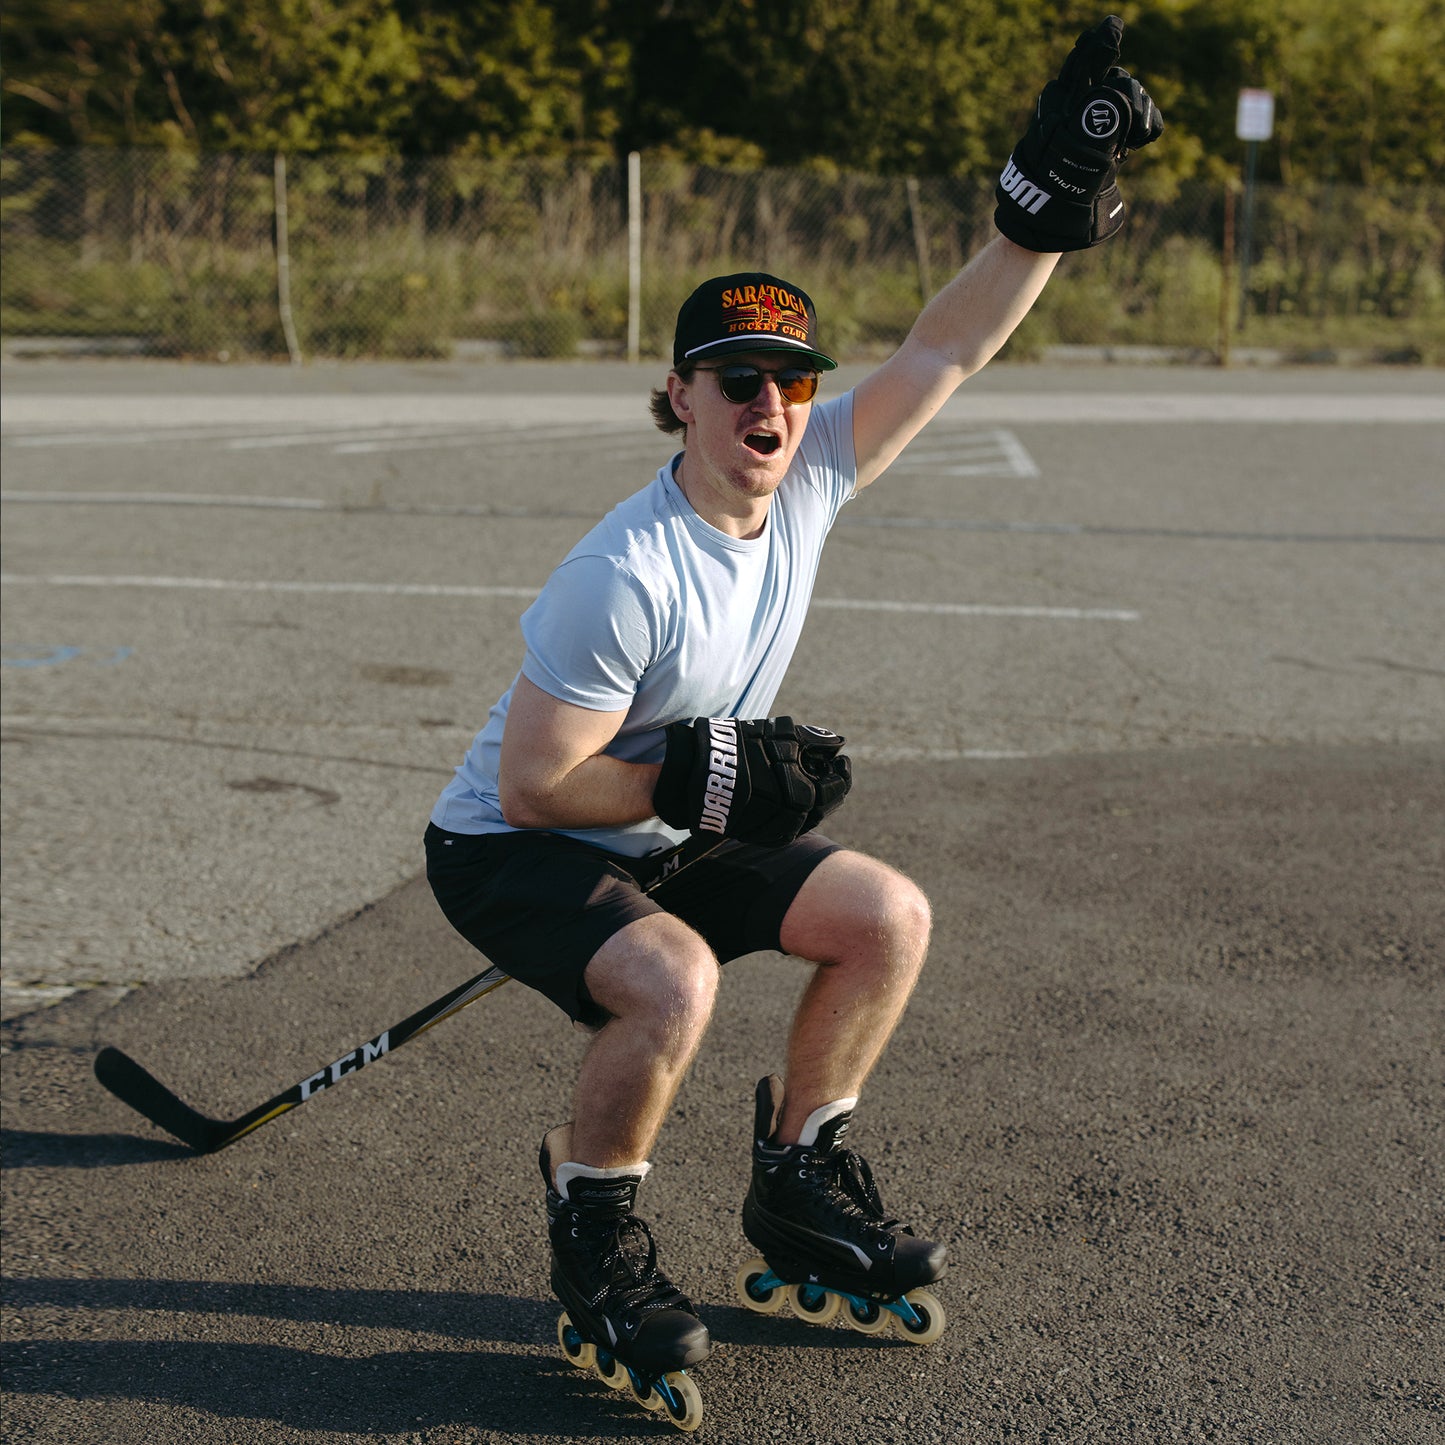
(231, 256)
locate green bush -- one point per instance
(381, 309)
(553, 334)
(1178, 298)
(44, 292)
(393, 258)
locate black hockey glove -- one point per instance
(1057, 192)
(831, 770)
(764, 781)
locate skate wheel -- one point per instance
(812, 1303)
(646, 1396)
(931, 1318)
(684, 1408)
(611, 1371)
(575, 1349)
(868, 1317)
(765, 1302)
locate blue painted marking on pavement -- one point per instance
(43, 654)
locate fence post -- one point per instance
(1226, 275)
(283, 264)
(634, 256)
(1251, 152)
(920, 241)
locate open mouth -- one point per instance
(764, 443)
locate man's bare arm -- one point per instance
(554, 774)
(954, 336)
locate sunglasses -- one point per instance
(741, 383)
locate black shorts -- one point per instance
(540, 905)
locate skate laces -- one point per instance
(627, 1264)
(846, 1179)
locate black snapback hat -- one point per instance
(750, 311)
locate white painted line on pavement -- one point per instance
(173, 499)
(867, 753)
(294, 411)
(437, 589)
(230, 584)
(980, 609)
(320, 436)
(1018, 454)
(617, 443)
(950, 451)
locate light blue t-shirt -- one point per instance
(657, 612)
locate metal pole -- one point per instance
(634, 256)
(1226, 273)
(920, 240)
(283, 264)
(1250, 151)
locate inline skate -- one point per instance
(827, 1244)
(621, 1315)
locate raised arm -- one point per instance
(1056, 194)
(956, 333)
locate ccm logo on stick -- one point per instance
(347, 1064)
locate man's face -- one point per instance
(740, 450)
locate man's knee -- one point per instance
(901, 915)
(912, 912)
(853, 904)
(656, 969)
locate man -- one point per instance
(631, 816)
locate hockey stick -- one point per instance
(139, 1088)
(143, 1092)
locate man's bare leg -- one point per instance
(658, 979)
(866, 927)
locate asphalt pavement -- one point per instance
(1143, 675)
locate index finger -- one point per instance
(1094, 53)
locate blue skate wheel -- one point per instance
(611, 1371)
(759, 1288)
(575, 1349)
(681, 1399)
(928, 1320)
(643, 1392)
(866, 1316)
(813, 1303)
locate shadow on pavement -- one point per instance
(394, 1391)
(34, 1148)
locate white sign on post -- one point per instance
(1254, 119)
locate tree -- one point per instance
(516, 77)
(274, 74)
(883, 86)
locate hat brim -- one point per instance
(735, 344)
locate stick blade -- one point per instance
(144, 1093)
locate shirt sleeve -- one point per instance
(828, 462)
(590, 635)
